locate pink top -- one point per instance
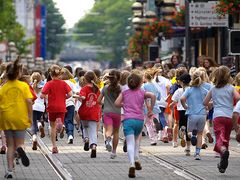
(133, 101)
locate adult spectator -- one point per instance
(175, 60)
(208, 62)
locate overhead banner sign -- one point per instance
(204, 15)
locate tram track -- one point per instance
(57, 166)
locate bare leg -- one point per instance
(53, 132)
(10, 153)
(115, 139)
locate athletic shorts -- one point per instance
(132, 126)
(196, 122)
(112, 119)
(15, 133)
(52, 116)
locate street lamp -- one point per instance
(11, 49)
(138, 23)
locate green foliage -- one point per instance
(55, 29)
(10, 29)
(107, 21)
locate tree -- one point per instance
(107, 21)
(11, 30)
(55, 29)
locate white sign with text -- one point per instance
(204, 15)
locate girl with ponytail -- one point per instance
(15, 114)
(192, 101)
(56, 91)
(89, 111)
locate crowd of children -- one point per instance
(170, 104)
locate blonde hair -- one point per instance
(180, 71)
(36, 77)
(148, 75)
(192, 70)
(55, 71)
(172, 73)
(196, 79)
(66, 75)
(237, 80)
(203, 74)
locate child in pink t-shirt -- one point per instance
(132, 101)
(56, 91)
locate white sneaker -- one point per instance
(70, 139)
(175, 144)
(113, 156)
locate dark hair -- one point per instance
(134, 80)
(77, 70)
(81, 73)
(13, 69)
(114, 78)
(90, 77)
(124, 77)
(97, 72)
(69, 68)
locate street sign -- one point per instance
(234, 42)
(202, 14)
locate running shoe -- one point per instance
(93, 153)
(8, 175)
(197, 157)
(86, 145)
(183, 142)
(3, 150)
(204, 146)
(42, 133)
(156, 124)
(222, 166)
(175, 144)
(187, 151)
(131, 173)
(113, 156)
(70, 139)
(125, 146)
(210, 138)
(23, 156)
(182, 132)
(54, 150)
(194, 137)
(34, 145)
(108, 144)
(138, 165)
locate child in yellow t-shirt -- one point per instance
(15, 114)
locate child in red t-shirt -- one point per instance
(89, 111)
(56, 91)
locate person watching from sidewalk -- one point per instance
(222, 95)
(132, 101)
(56, 91)
(111, 113)
(15, 98)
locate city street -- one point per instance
(159, 162)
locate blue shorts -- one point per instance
(132, 126)
(15, 133)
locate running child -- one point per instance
(132, 101)
(111, 113)
(89, 112)
(222, 95)
(56, 91)
(192, 101)
(15, 114)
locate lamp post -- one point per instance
(138, 24)
(11, 49)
